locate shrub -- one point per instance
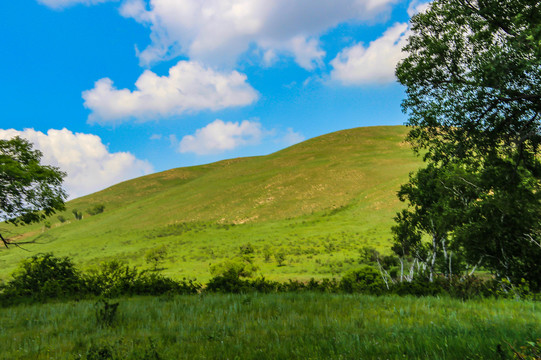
(78, 214)
(115, 278)
(156, 256)
(228, 282)
(61, 218)
(45, 276)
(240, 267)
(111, 278)
(368, 255)
(366, 279)
(246, 249)
(157, 284)
(280, 258)
(96, 209)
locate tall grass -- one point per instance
(273, 326)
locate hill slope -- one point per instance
(317, 202)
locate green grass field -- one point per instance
(273, 326)
(317, 202)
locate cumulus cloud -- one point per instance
(220, 136)
(218, 31)
(189, 87)
(376, 63)
(59, 4)
(87, 161)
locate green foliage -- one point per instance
(103, 352)
(237, 267)
(114, 278)
(530, 351)
(77, 214)
(106, 313)
(96, 209)
(156, 256)
(29, 191)
(45, 276)
(280, 257)
(366, 280)
(61, 218)
(246, 249)
(368, 255)
(473, 83)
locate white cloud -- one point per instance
(218, 31)
(373, 64)
(220, 136)
(417, 6)
(87, 161)
(59, 4)
(291, 137)
(189, 87)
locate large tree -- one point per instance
(473, 84)
(29, 191)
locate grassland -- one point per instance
(273, 326)
(317, 202)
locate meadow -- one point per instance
(309, 211)
(271, 326)
(316, 203)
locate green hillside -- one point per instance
(316, 203)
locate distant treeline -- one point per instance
(43, 277)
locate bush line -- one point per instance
(44, 277)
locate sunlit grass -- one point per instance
(318, 201)
(275, 326)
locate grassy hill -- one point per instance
(316, 203)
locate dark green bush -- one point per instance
(246, 249)
(45, 276)
(78, 214)
(96, 209)
(112, 278)
(228, 282)
(115, 278)
(366, 279)
(157, 284)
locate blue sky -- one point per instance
(113, 89)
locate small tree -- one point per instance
(29, 191)
(280, 258)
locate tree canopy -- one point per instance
(29, 191)
(473, 85)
